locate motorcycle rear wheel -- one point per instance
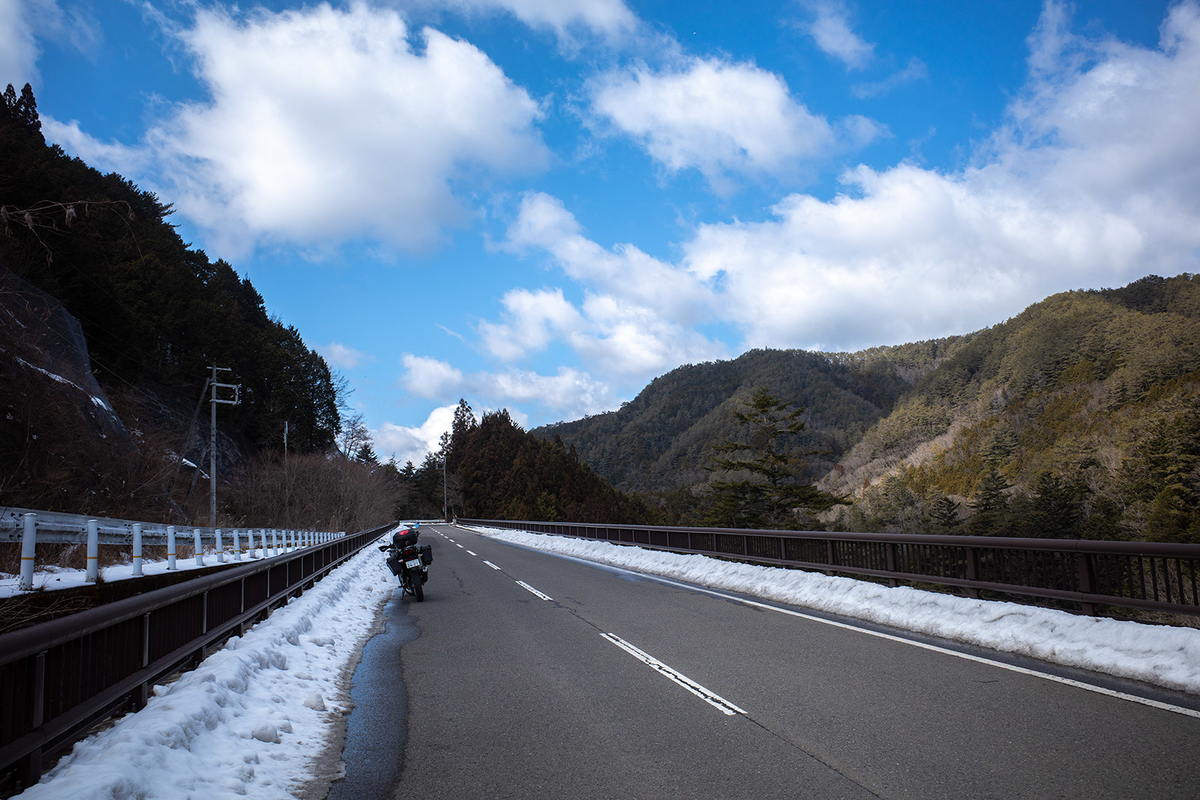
(414, 580)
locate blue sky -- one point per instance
(544, 204)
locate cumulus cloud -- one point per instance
(567, 394)
(428, 377)
(830, 29)
(342, 357)
(326, 124)
(412, 443)
(719, 117)
(637, 315)
(1094, 180)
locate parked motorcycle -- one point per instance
(409, 561)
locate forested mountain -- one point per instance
(1081, 414)
(661, 440)
(504, 472)
(155, 316)
(1078, 417)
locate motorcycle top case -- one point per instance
(426, 554)
(401, 539)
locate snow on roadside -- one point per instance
(1155, 654)
(251, 719)
(50, 577)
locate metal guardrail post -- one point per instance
(28, 549)
(93, 550)
(220, 546)
(171, 548)
(137, 549)
(199, 547)
(1083, 564)
(237, 546)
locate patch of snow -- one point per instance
(251, 720)
(1155, 654)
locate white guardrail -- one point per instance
(30, 527)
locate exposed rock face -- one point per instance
(51, 407)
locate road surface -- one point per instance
(529, 675)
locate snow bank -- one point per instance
(251, 719)
(49, 577)
(1159, 655)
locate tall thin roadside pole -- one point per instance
(212, 463)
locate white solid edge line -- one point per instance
(529, 588)
(1133, 698)
(945, 651)
(490, 564)
(712, 698)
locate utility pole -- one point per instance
(237, 397)
(445, 497)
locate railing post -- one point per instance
(237, 546)
(93, 550)
(890, 549)
(137, 549)
(171, 548)
(220, 546)
(250, 553)
(972, 571)
(274, 542)
(28, 549)
(143, 692)
(33, 762)
(1083, 563)
(199, 547)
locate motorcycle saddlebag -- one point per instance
(426, 554)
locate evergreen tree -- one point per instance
(755, 482)
(944, 516)
(990, 505)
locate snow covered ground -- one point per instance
(1155, 654)
(49, 577)
(254, 719)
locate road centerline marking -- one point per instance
(470, 552)
(490, 564)
(707, 695)
(529, 588)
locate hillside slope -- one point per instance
(1099, 390)
(661, 439)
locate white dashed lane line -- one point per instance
(712, 698)
(472, 553)
(532, 590)
(490, 564)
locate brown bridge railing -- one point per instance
(59, 677)
(1142, 575)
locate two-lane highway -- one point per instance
(540, 676)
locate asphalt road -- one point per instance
(536, 676)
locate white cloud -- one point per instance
(342, 357)
(411, 444)
(428, 377)
(23, 22)
(1094, 181)
(637, 314)
(326, 124)
(610, 20)
(914, 71)
(718, 117)
(568, 394)
(831, 31)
